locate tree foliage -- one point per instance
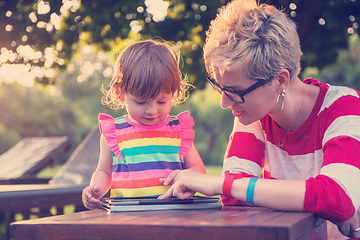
(59, 34)
(345, 71)
(323, 27)
(30, 112)
(213, 124)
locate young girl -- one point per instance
(147, 144)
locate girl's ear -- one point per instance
(121, 94)
(122, 97)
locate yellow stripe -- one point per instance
(150, 141)
(139, 192)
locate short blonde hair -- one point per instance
(257, 39)
(144, 69)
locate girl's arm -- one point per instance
(103, 172)
(101, 179)
(193, 162)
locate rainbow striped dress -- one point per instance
(143, 154)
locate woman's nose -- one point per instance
(225, 101)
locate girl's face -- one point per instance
(148, 112)
(258, 102)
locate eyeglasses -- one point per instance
(237, 96)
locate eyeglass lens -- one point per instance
(233, 96)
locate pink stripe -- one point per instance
(254, 150)
(314, 127)
(342, 149)
(170, 129)
(323, 193)
(139, 175)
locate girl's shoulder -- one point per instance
(184, 119)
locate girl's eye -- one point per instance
(139, 102)
(161, 102)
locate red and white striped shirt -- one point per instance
(324, 151)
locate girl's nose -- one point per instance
(151, 109)
(225, 101)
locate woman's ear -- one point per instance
(283, 78)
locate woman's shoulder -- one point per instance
(341, 95)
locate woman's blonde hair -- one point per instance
(144, 69)
(257, 39)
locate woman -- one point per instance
(305, 134)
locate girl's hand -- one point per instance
(347, 228)
(185, 183)
(91, 197)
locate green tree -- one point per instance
(323, 26)
(30, 112)
(345, 71)
(213, 124)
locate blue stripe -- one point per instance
(122, 125)
(174, 122)
(147, 166)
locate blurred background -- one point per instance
(54, 55)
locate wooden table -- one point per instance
(228, 223)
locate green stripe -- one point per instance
(152, 149)
(152, 158)
(147, 158)
(120, 120)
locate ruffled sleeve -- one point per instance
(187, 132)
(107, 129)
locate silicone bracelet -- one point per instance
(250, 190)
(228, 181)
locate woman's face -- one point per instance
(258, 102)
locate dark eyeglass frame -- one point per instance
(242, 93)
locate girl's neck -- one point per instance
(136, 122)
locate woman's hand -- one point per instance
(91, 197)
(185, 183)
(347, 228)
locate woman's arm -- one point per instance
(285, 195)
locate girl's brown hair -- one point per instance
(144, 69)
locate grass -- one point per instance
(213, 170)
(49, 172)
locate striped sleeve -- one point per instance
(337, 187)
(245, 150)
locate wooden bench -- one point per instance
(21, 163)
(65, 188)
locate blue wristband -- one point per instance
(250, 190)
